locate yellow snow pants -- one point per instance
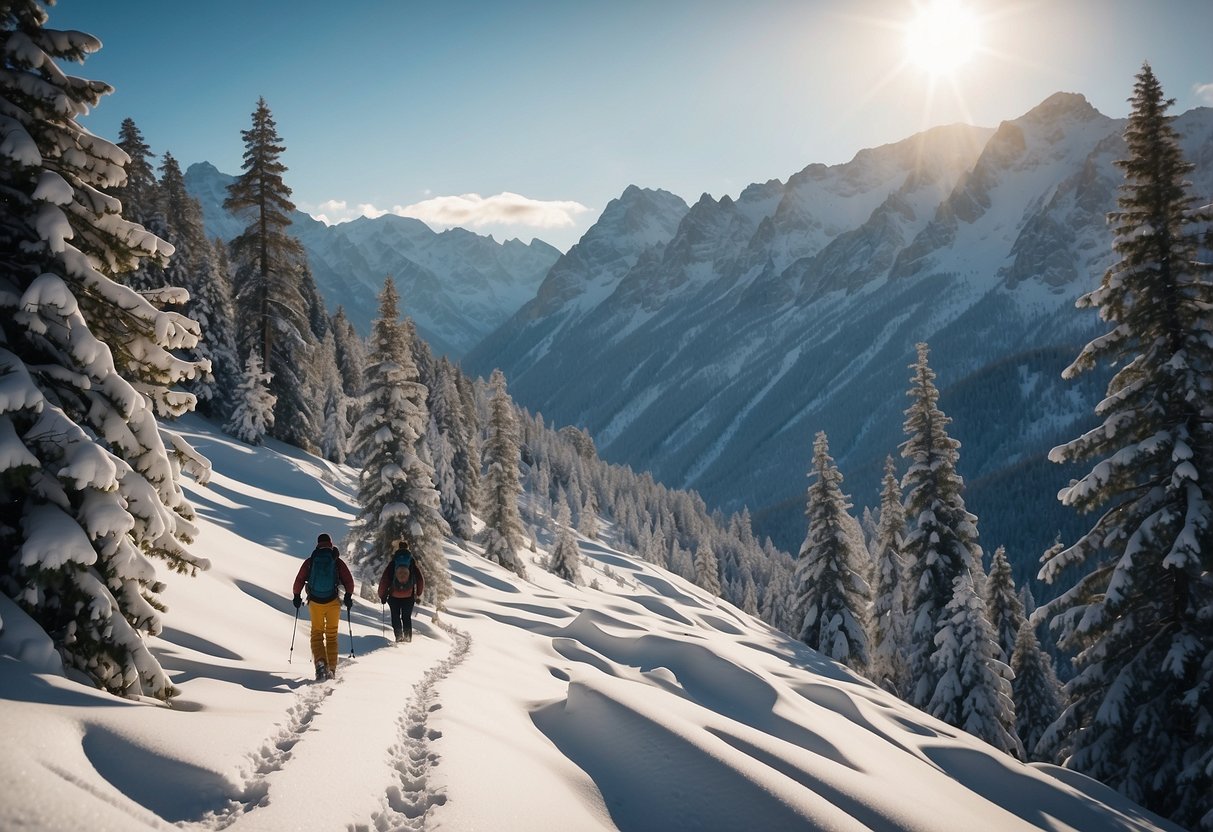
(326, 619)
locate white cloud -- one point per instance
(1204, 92)
(469, 210)
(335, 211)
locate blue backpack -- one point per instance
(402, 571)
(322, 580)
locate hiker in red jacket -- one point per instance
(402, 583)
(322, 572)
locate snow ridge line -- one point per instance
(408, 802)
(270, 757)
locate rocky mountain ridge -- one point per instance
(711, 352)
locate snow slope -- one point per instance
(645, 704)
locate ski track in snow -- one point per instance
(407, 804)
(271, 756)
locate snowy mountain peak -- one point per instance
(1063, 107)
(457, 285)
(795, 308)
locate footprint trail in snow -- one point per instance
(407, 802)
(270, 757)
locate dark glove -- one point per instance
(382, 599)
(297, 601)
(349, 601)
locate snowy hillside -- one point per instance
(457, 286)
(642, 704)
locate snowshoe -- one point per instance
(408, 636)
(322, 672)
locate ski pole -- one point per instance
(291, 655)
(382, 621)
(350, 622)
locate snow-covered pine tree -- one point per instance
(587, 518)
(334, 444)
(351, 363)
(681, 562)
(88, 489)
(326, 378)
(565, 558)
(142, 203)
(974, 689)
(351, 353)
(459, 478)
(941, 542)
(396, 486)
(1141, 617)
(707, 568)
(889, 624)
(1037, 694)
(271, 283)
(253, 414)
(503, 533)
(1003, 605)
(196, 267)
(218, 298)
(831, 594)
(749, 597)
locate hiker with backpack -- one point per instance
(402, 583)
(322, 572)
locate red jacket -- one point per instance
(343, 575)
(385, 583)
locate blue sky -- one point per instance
(545, 111)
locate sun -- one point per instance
(942, 37)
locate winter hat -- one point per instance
(324, 540)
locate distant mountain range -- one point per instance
(457, 286)
(708, 343)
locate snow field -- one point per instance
(533, 704)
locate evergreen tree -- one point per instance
(196, 267)
(587, 521)
(503, 533)
(749, 598)
(1141, 617)
(1002, 601)
(454, 462)
(215, 300)
(1036, 692)
(889, 626)
(942, 539)
(274, 290)
(832, 596)
(681, 563)
(334, 444)
(974, 689)
(89, 496)
(565, 559)
(142, 203)
(396, 485)
(138, 193)
(351, 353)
(253, 414)
(707, 568)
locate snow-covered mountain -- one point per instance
(720, 352)
(637, 703)
(457, 286)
